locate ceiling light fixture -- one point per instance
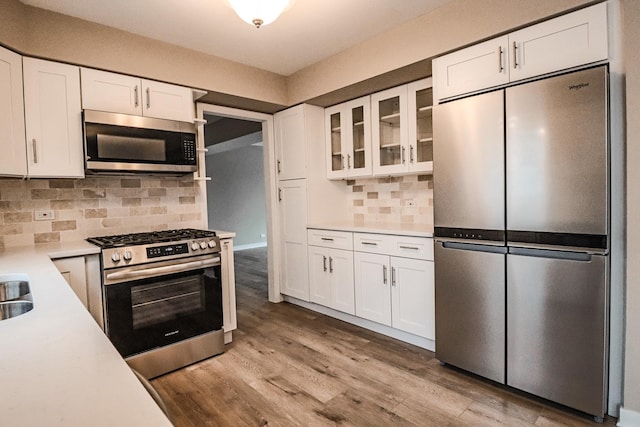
(259, 12)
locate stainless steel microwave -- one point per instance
(121, 143)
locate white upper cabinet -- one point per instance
(117, 93)
(53, 119)
(480, 66)
(13, 161)
(348, 139)
(564, 42)
(290, 143)
(402, 132)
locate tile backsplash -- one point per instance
(95, 206)
(401, 199)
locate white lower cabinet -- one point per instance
(331, 278)
(396, 291)
(230, 321)
(82, 273)
(292, 198)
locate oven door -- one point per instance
(149, 312)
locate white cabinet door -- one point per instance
(420, 139)
(13, 161)
(342, 280)
(293, 228)
(413, 296)
(228, 287)
(474, 68)
(358, 127)
(53, 119)
(290, 143)
(165, 101)
(336, 141)
(389, 131)
(319, 279)
(111, 92)
(567, 41)
(372, 283)
(73, 271)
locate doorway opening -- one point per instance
(237, 162)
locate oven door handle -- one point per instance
(167, 269)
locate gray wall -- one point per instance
(235, 194)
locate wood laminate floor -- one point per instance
(288, 366)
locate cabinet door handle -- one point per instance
(515, 55)
(411, 154)
(35, 150)
(324, 263)
(342, 162)
(330, 265)
(393, 276)
(278, 165)
(327, 239)
(148, 99)
(348, 161)
(500, 57)
(414, 248)
(279, 194)
(370, 243)
(384, 274)
(136, 101)
(402, 155)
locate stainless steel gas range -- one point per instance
(162, 294)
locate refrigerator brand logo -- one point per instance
(578, 86)
(168, 334)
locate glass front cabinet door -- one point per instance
(348, 139)
(402, 129)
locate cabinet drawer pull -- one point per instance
(342, 162)
(35, 150)
(330, 265)
(148, 99)
(411, 154)
(384, 274)
(393, 276)
(515, 55)
(327, 239)
(413, 248)
(279, 194)
(402, 156)
(136, 102)
(370, 243)
(278, 166)
(348, 161)
(324, 263)
(500, 54)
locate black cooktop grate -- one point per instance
(150, 237)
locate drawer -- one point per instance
(401, 246)
(330, 238)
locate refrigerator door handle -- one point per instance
(553, 254)
(552, 248)
(476, 248)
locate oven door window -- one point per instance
(150, 313)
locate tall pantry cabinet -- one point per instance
(304, 194)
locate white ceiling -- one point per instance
(309, 31)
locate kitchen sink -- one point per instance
(13, 287)
(9, 309)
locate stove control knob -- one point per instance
(195, 246)
(212, 243)
(127, 255)
(115, 257)
(203, 245)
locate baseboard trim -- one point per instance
(249, 246)
(628, 418)
(366, 324)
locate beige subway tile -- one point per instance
(138, 211)
(118, 212)
(132, 201)
(94, 193)
(88, 203)
(157, 192)
(111, 222)
(70, 214)
(63, 225)
(187, 200)
(17, 217)
(130, 183)
(385, 210)
(8, 229)
(59, 205)
(18, 240)
(61, 183)
(95, 213)
(72, 236)
(372, 195)
(169, 183)
(50, 194)
(158, 210)
(190, 217)
(406, 219)
(46, 237)
(358, 202)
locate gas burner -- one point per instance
(149, 238)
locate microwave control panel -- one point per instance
(189, 148)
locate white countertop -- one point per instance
(57, 367)
(418, 230)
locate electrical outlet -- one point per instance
(409, 203)
(263, 235)
(45, 215)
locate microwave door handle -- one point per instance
(167, 269)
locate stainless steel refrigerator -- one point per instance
(521, 211)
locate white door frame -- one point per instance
(270, 182)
